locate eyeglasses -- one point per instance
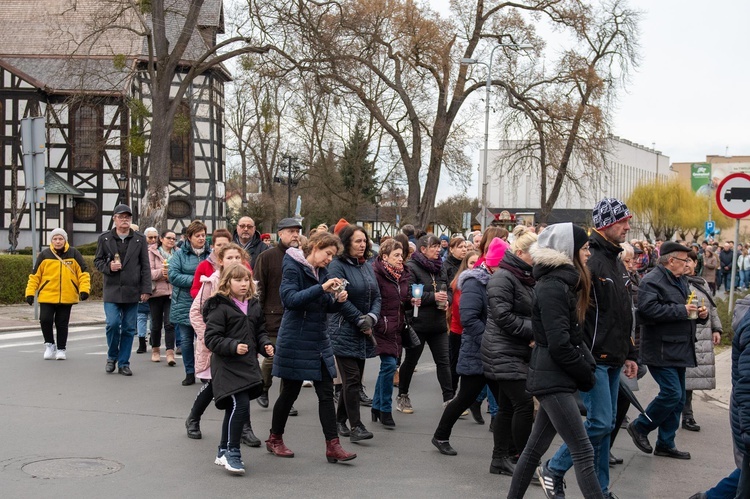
(245, 226)
(152, 237)
(683, 260)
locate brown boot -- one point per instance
(170, 357)
(335, 453)
(275, 445)
(155, 354)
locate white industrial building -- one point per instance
(513, 184)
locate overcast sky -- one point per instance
(690, 94)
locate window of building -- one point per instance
(87, 137)
(179, 144)
(85, 211)
(179, 208)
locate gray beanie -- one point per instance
(59, 232)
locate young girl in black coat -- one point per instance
(235, 333)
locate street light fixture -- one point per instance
(469, 61)
(122, 185)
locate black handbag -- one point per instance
(409, 338)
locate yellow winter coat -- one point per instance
(56, 284)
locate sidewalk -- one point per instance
(20, 317)
(723, 391)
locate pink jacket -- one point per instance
(159, 284)
(202, 354)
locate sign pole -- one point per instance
(734, 266)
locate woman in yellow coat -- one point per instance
(60, 278)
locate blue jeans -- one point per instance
(187, 344)
(744, 278)
(726, 488)
(601, 411)
(120, 329)
(143, 319)
(558, 413)
(487, 393)
(665, 410)
(383, 397)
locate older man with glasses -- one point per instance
(669, 316)
(246, 236)
(122, 258)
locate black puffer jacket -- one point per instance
(430, 319)
(226, 327)
(609, 320)
(505, 345)
(560, 361)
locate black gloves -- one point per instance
(365, 322)
(30, 300)
(84, 296)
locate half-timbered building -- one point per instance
(96, 105)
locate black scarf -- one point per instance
(431, 266)
(518, 268)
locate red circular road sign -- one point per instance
(733, 195)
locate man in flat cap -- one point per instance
(667, 347)
(268, 273)
(122, 258)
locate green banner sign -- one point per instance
(700, 175)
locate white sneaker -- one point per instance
(49, 351)
(60, 355)
(307, 384)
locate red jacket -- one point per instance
(456, 326)
(204, 269)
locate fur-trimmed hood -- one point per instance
(481, 274)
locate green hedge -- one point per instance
(15, 270)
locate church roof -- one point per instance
(53, 43)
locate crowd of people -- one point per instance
(546, 323)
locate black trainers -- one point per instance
(552, 485)
(358, 433)
(343, 430)
(444, 447)
(363, 398)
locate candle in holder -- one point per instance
(416, 293)
(692, 299)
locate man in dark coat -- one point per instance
(726, 255)
(267, 271)
(667, 347)
(246, 236)
(607, 332)
(122, 257)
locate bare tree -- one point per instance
(562, 111)
(399, 60)
(149, 22)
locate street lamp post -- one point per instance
(375, 233)
(468, 61)
(292, 171)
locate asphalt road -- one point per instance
(70, 430)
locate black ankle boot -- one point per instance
(193, 426)
(502, 466)
(248, 437)
(387, 419)
(141, 345)
(375, 415)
